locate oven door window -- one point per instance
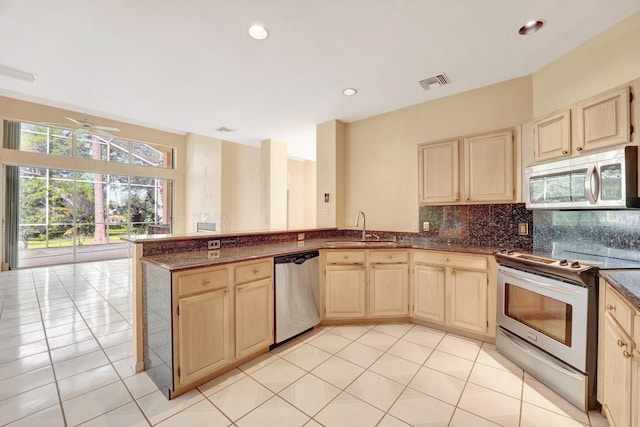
(549, 316)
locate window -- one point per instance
(60, 141)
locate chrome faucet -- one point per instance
(364, 224)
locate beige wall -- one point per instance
(607, 60)
(274, 185)
(301, 194)
(309, 194)
(203, 178)
(241, 187)
(381, 152)
(330, 170)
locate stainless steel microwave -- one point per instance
(607, 180)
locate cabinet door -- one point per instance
(552, 136)
(345, 291)
(254, 316)
(438, 172)
(389, 290)
(204, 341)
(635, 393)
(428, 293)
(617, 374)
(467, 299)
(489, 168)
(603, 120)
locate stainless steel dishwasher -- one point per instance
(297, 289)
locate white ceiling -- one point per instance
(189, 65)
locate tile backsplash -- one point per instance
(618, 229)
(485, 225)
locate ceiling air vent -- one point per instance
(440, 79)
(225, 129)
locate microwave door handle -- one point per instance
(592, 184)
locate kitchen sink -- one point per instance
(361, 243)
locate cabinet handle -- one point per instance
(453, 271)
(226, 291)
(611, 307)
(205, 282)
(578, 148)
(256, 271)
(565, 152)
(441, 270)
(621, 343)
(238, 289)
(626, 354)
(446, 259)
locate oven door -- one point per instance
(550, 314)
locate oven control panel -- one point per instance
(539, 260)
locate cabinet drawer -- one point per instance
(191, 283)
(469, 262)
(254, 271)
(619, 309)
(345, 257)
(389, 257)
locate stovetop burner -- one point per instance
(533, 260)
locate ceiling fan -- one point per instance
(87, 126)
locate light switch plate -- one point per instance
(425, 226)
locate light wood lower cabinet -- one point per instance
(617, 365)
(204, 350)
(428, 293)
(468, 300)
(453, 290)
(254, 316)
(221, 315)
(345, 291)
(388, 290)
(366, 284)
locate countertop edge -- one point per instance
(626, 282)
(202, 259)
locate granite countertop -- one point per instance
(626, 282)
(197, 259)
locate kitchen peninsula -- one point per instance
(450, 286)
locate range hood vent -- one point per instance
(440, 79)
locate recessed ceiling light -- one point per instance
(349, 91)
(258, 32)
(530, 27)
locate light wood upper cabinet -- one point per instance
(204, 334)
(552, 136)
(254, 316)
(439, 173)
(473, 169)
(603, 120)
(596, 123)
(489, 167)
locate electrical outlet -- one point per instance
(213, 254)
(425, 226)
(523, 229)
(300, 236)
(213, 244)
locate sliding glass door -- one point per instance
(67, 216)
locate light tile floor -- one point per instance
(65, 359)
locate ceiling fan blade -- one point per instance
(79, 122)
(107, 128)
